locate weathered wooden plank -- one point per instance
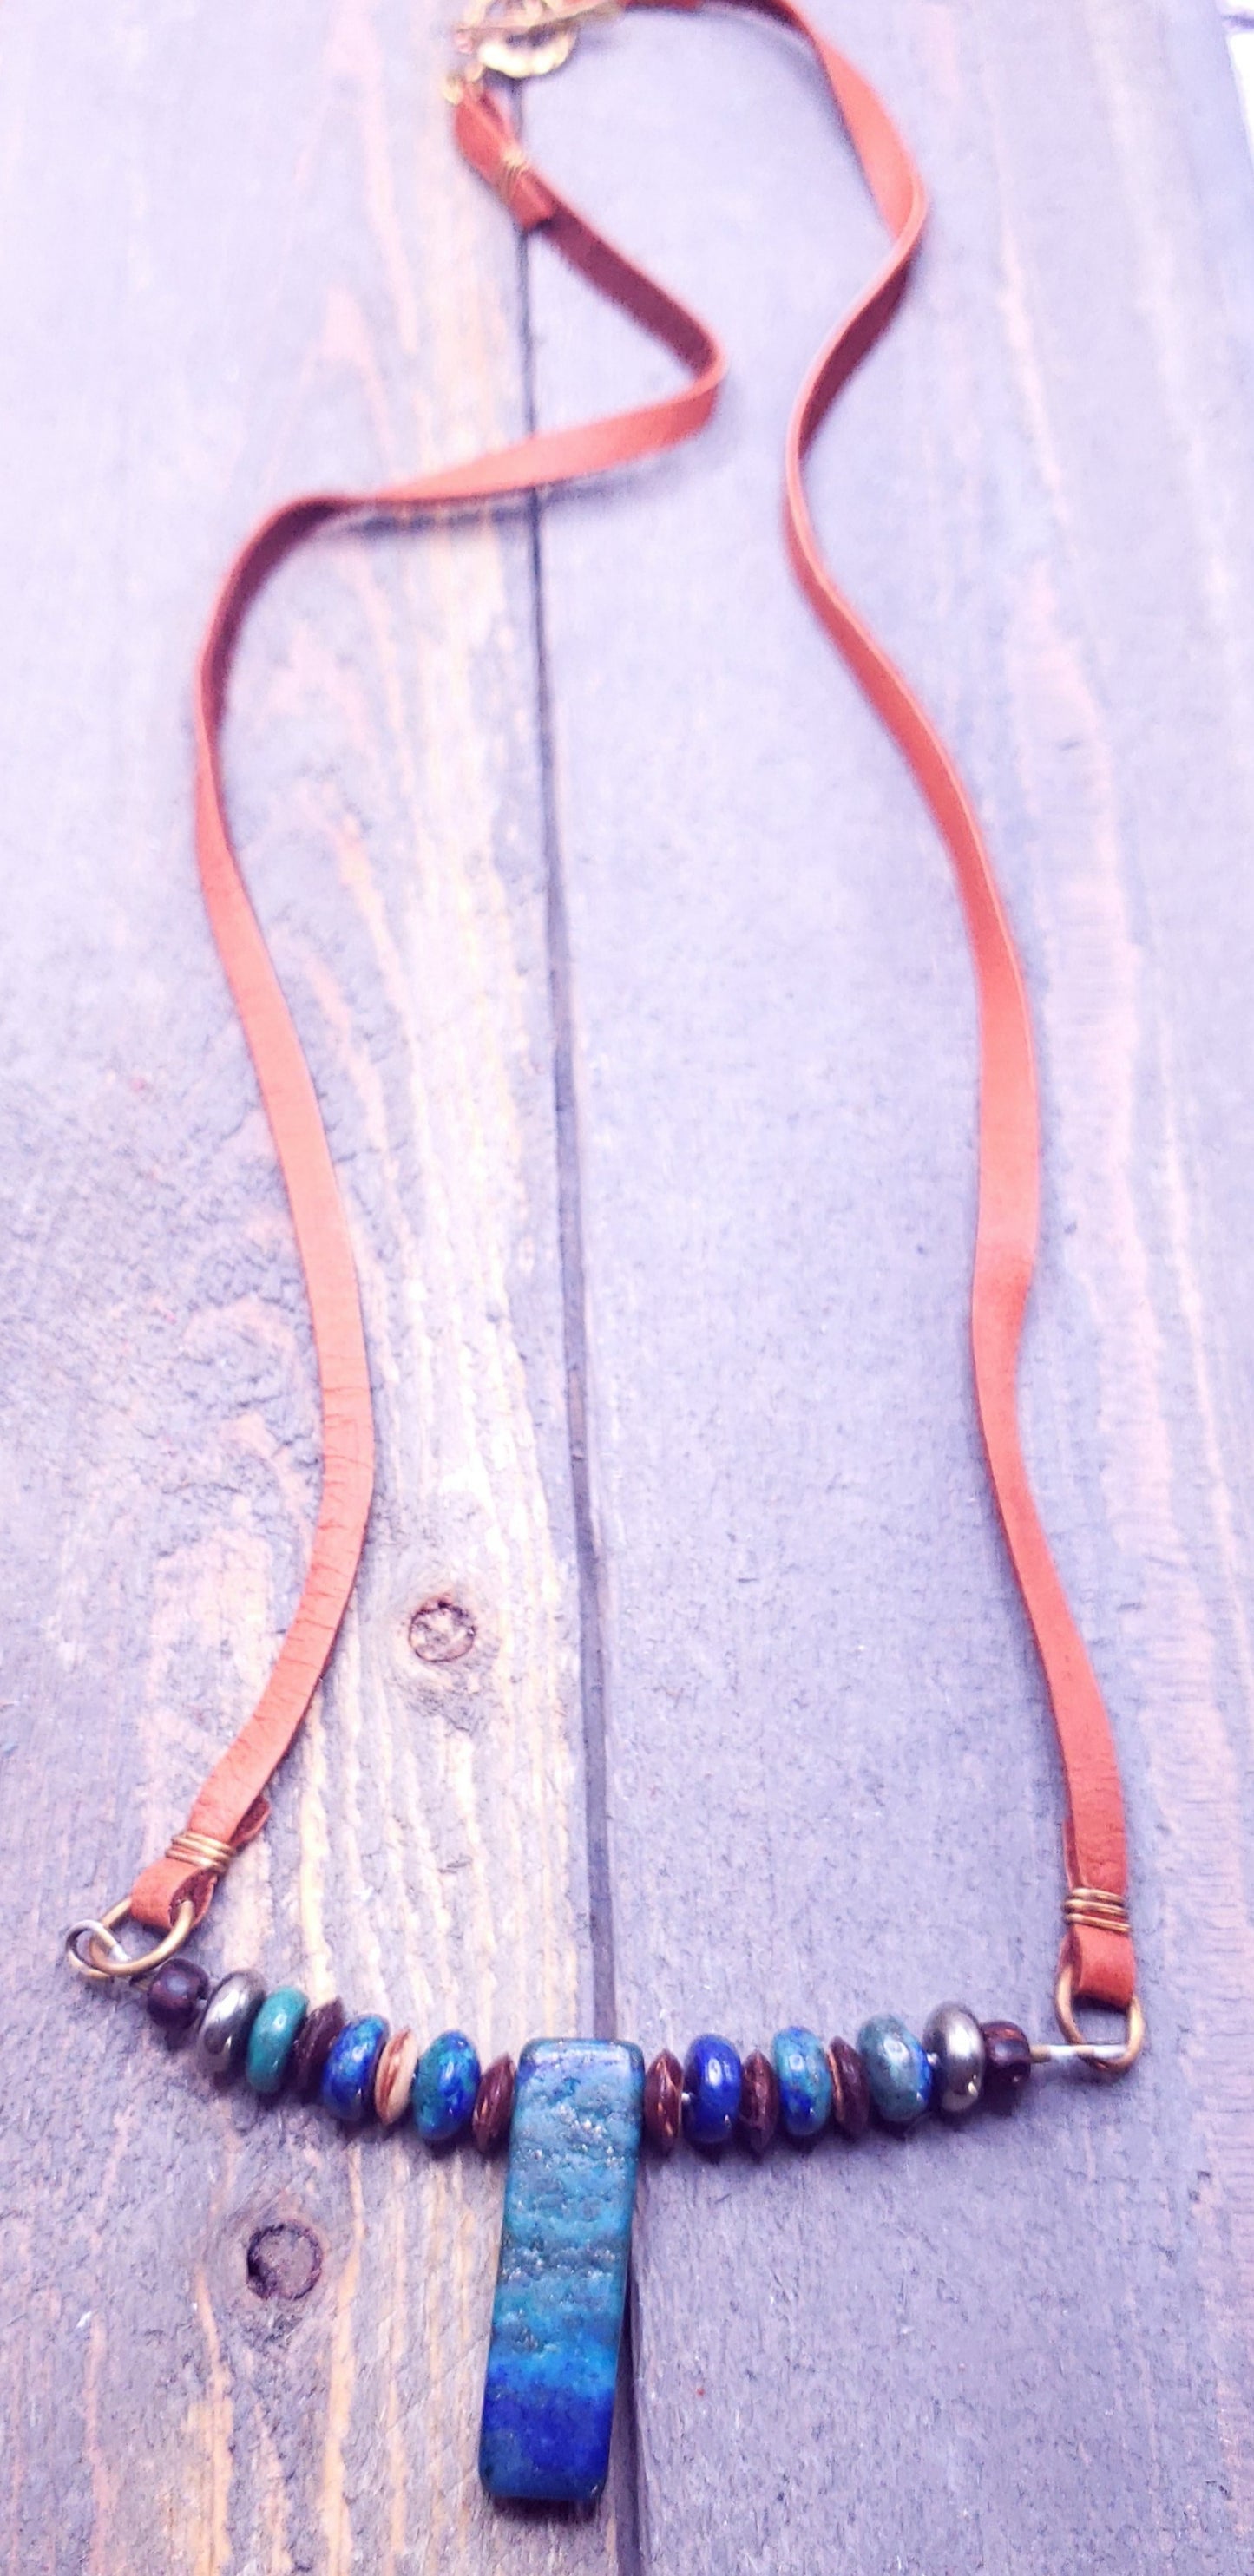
(240, 259)
(831, 1784)
(960, 2354)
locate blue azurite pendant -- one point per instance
(574, 2144)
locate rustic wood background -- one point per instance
(634, 988)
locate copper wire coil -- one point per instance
(1097, 1908)
(204, 1851)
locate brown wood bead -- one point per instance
(851, 2093)
(314, 2042)
(494, 2105)
(394, 2076)
(758, 2115)
(1007, 2063)
(176, 1996)
(663, 2101)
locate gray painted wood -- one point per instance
(238, 258)
(832, 1787)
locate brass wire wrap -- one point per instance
(1096, 1907)
(204, 1851)
(513, 164)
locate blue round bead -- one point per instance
(348, 2076)
(897, 2070)
(711, 2092)
(445, 2084)
(805, 2082)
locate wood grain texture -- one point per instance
(832, 1786)
(243, 249)
(237, 259)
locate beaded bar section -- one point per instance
(802, 2087)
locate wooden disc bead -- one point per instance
(759, 2101)
(494, 2105)
(851, 2093)
(317, 2037)
(663, 2101)
(394, 2076)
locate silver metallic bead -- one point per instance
(228, 2018)
(954, 2042)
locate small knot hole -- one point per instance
(284, 2261)
(441, 1630)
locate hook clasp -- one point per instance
(523, 39)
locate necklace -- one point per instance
(575, 2110)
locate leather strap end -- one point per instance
(1102, 1963)
(491, 144)
(166, 1884)
(253, 1822)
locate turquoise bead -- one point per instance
(446, 2081)
(805, 2082)
(348, 2076)
(897, 2070)
(273, 2037)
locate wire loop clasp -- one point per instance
(92, 1951)
(1104, 2057)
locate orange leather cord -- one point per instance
(231, 1806)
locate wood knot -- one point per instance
(441, 1630)
(284, 2261)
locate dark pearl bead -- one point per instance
(712, 2081)
(663, 2101)
(494, 2105)
(347, 2086)
(805, 2082)
(897, 2070)
(759, 2102)
(851, 2093)
(315, 2040)
(1007, 2063)
(175, 1996)
(445, 2087)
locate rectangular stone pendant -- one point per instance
(574, 2144)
